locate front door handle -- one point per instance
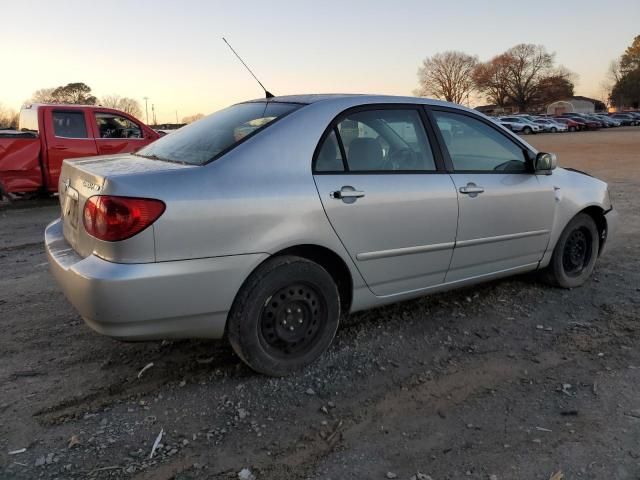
(59, 147)
(471, 189)
(347, 194)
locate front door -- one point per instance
(392, 208)
(117, 134)
(67, 137)
(506, 213)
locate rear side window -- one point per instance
(117, 126)
(69, 124)
(475, 146)
(204, 140)
(329, 157)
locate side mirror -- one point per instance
(545, 163)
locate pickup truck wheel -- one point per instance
(285, 315)
(526, 130)
(575, 254)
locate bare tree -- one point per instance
(447, 76)
(44, 95)
(524, 75)
(192, 118)
(110, 101)
(126, 104)
(8, 117)
(130, 106)
(490, 79)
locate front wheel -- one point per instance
(575, 254)
(285, 315)
(572, 129)
(554, 130)
(526, 130)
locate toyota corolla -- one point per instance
(266, 221)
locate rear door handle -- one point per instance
(471, 189)
(347, 193)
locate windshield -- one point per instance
(206, 139)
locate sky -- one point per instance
(172, 52)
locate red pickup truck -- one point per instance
(31, 157)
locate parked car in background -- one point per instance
(521, 124)
(611, 122)
(635, 115)
(31, 158)
(551, 125)
(572, 125)
(625, 119)
(266, 221)
(586, 123)
(593, 118)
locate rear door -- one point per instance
(117, 133)
(68, 136)
(391, 205)
(506, 213)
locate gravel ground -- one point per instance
(507, 380)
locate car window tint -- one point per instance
(386, 140)
(116, 126)
(69, 124)
(329, 157)
(475, 146)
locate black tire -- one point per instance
(527, 130)
(572, 129)
(285, 316)
(554, 130)
(575, 254)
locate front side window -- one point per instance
(117, 126)
(69, 124)
(385, 140)
(202, 141)
(475, 146)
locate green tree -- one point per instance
(626, 92)
(630, 59)
(74, 93)
(626, 88)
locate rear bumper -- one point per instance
(179, 299)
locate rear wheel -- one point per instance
(285, 316)
(575, 254)
(527, 130)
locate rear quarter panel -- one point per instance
(258, 198)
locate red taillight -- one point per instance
(112, 218)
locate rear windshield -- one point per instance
(204, 140)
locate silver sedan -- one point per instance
(267, 221)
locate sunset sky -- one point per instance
(172, 52)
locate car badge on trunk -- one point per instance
(91, 186)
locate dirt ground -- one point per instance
(507, 380)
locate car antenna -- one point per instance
(267, 93)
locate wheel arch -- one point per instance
(332, 263)
(597, 213)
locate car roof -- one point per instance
(357, 99)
